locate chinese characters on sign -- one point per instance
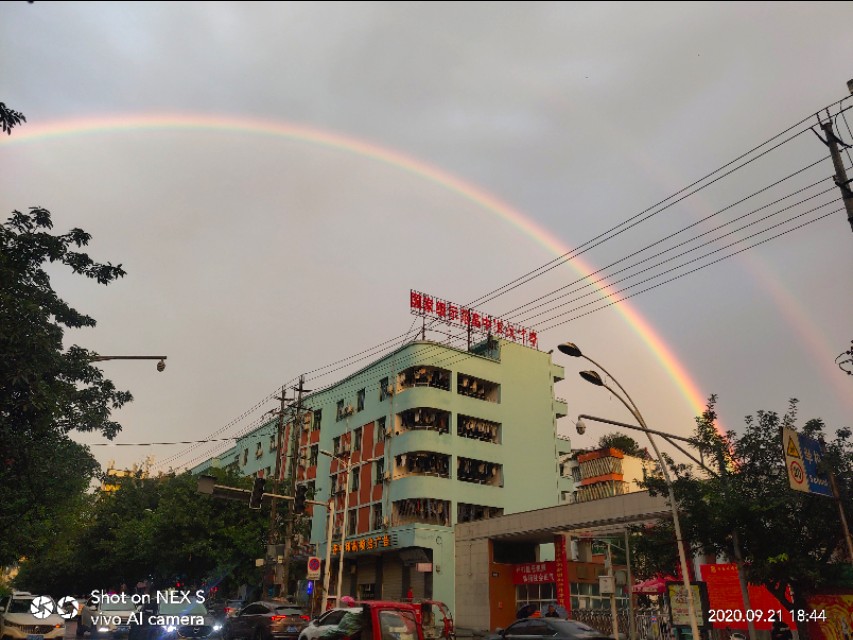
(364, 544)
(561, 572)
(803, 456)
(533, 573)
(422, 304)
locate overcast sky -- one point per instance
(354, 151)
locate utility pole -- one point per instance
(274, 532)
(293, 454)
(832, 141)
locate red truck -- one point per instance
(389, 620)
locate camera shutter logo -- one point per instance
(41, 607)
(68, 607)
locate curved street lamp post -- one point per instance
(593, 377)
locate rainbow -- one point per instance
(195, 122)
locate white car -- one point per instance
(17, 621)
(329, 620)
(105, 619)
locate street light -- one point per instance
(160, 365)
(571, 349)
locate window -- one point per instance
(398, 625)
(318, 418)
(383, 389)
(379, 471)
(259, 450)
(354, 475)
(380, 430)
(376, 516)
(336, 445)
(356, 445)
(314, 456)
(359, 400)
(340, 412)
(245, 457)
(273, 443)
(352, 522)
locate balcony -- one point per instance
(421, 463)
(420, 511)
(423, 418)
(424, 377)
(478, 429)
(479, 472)
(477, 388)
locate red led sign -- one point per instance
(425, 305)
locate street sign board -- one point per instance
(802, 460)
(313, 568)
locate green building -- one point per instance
(434, 436)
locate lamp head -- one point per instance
(570, 349)
(592, 377)
(161, 365)
(580, 426)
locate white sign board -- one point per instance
(313, 568)
(606, 584)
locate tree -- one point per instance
(46, 390)
(792, 542)
(159, 528)
(626, 444)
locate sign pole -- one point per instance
(844, 526)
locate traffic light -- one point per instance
(257, 493)
(299, 498)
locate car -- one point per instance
(106, 616)
(175, 621)
(552, 628)
(328, 620)
(232, 608)
(266, 620)
(18, 622)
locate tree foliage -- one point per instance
(626, 444)
(157, 528)
(46, 390)
(791, 542)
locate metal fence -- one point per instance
(651, 624)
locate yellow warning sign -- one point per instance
(792, 448)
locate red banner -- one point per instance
(726, 602)
(533, 573)
(561, 573)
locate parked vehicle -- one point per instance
(105, 619)
(436, 619)
(266, 620)
(379, 620)
(18, 622)
(328, 620)
(232, 608)
(551, 628)
(166, 622)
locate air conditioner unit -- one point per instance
(348, 410)
(390, 389)
(386, 476)
(388, 431)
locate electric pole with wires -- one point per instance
(292, 462)
(832, 141)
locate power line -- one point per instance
(509, 314)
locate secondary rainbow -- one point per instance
(190, 122)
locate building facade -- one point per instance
(432, 436)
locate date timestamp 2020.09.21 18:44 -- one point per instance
(761, 615)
